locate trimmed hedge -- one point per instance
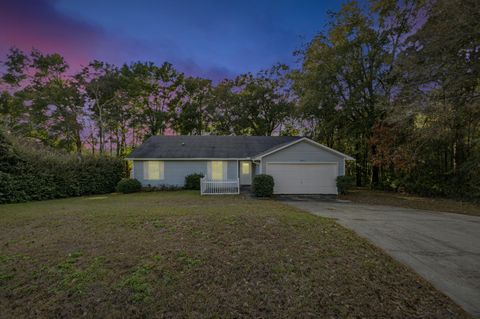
(161, 188)
(128, 185)
(192, 181)
(345, 183)
(29, 171)
(263, 185)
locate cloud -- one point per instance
(28, 24)
(214, 73)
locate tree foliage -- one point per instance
(393, 83)
(398, 94)
(347, 79)
(29, 171)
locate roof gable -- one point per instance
(304, 139)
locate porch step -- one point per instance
(245, 189)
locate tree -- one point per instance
(16, 64)
(12, 99)
(45, 103)
(156, 90)
(191, 116)
(439, 93)
(264, 101)
(224, 109)
(253, 105)
(100, 82)
(347, 79)
(441, 66)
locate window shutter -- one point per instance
(145, 170)
(209, 170)
(225, 170)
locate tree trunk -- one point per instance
(118, 143)
(78, 141)
(79, 145)
(101, 137)
(459, 149)
(93, 143)
(375, 169)
(111, 145)
(358, 169)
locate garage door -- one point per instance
(304, 178)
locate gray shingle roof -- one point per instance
(208, 146)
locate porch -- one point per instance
(210, 185)
(227, 187)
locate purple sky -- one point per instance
(208, 38)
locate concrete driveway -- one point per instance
(444, 248)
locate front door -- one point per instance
(245, 173)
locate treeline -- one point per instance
(393, 83)
(397, 86)
(109, 109)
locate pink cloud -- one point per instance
(28, 24)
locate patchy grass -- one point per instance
(176, 254)
(374, 197)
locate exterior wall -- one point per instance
(304, 152)
(256, 169)
(232, 170)
(175, 171)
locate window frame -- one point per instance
(223, 169)
(146, 170)
(246, 164)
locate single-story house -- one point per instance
(297, 164)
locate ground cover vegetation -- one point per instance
(182, 255)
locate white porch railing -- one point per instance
(228, 187)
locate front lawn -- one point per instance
(176, 254)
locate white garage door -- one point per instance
(303, 178)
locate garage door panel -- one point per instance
(304, 178)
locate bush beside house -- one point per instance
(161, 188)
(345, 183)
(192, 181)
(128, 185)
(263, 185)
(29, 171)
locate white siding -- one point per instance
(175, 171)
(304, 152)
(304, 178)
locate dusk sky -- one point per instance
(209, 38)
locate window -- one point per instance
(217, 170)
(153, 170)
(245, 168)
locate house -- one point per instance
(297, 164)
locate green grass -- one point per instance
(177, 254)
(375, 197)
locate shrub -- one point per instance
(30, 171)
(128, 185)
(345, 183)
(192, 181)
(263, 185)
(161, 188)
